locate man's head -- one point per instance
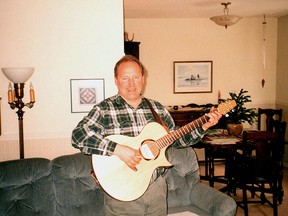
(129, 79)
(128, 58)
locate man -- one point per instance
(127, 113)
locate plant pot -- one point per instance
(234, 129)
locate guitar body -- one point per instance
(116, 178)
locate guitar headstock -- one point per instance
(226, 106)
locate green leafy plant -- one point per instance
(240, 113)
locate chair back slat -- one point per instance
(265, 145)
(270, 116)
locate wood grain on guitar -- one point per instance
(124, 184)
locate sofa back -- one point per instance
(64, 186)
(76, 193)
(26, 187)
(38, 186)
(182, 176)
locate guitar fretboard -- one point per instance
(169, 138)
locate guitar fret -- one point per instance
(200, 119)
(194, 124)
(166, 140)
(186, 129)
(200, 122)
(163, 142)
(177, 134)
(158, 143)
(182, 133)
(170, 140)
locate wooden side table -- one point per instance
(184, 116)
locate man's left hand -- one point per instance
(214, 117)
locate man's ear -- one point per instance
(115, 81)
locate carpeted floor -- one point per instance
(255, 209)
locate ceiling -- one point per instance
(203, 8)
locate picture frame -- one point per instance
(85, 93)
(193, 76)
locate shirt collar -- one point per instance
(120, 100)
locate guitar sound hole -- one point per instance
(149, 149)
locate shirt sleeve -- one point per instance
(89, 135)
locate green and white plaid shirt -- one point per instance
(114, 116)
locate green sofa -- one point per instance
(63, 186)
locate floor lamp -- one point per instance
(18, 76)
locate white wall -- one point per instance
(63, 40)
(235, 52)
(282, 74)
(282, 63)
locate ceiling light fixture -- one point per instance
(226, 19)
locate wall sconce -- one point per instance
(226, 19)
(18, 76)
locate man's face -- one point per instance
(129, 81)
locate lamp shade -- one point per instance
(18, 74)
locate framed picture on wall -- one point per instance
(192, 76)
(85, 93)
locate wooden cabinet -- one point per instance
(185, 116)
(131, 48)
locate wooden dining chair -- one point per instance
(268, 116)
(280, 128)
(257, 167)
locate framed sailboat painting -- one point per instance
(192, 76)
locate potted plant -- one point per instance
(240, 113)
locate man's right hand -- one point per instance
(130, 156)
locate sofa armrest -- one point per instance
(185, 190)
(212, 201)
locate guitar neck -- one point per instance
(169, 138)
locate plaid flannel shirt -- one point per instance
(113, 116)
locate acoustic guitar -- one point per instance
(125, 184)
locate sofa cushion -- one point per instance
(184, 161)
(182, 176)
(76, 192)
(26, 187)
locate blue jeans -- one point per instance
(152, 203)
